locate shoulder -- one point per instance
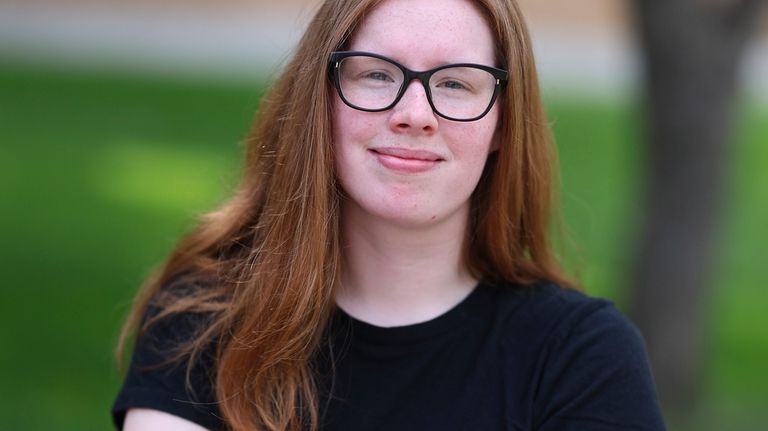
(586, 358)
(176, 314)
(551, 312)
(557, 322)
(174, 326)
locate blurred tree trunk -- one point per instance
(692, 50)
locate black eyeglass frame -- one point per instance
(409, 75)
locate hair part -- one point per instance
(265, 264)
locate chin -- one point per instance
(413, 215)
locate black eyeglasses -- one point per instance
(373, 83)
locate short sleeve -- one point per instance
(597, 378)
(153, 383)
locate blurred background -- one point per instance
(120, 122)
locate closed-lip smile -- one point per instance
(405, 160)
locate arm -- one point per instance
(155, 420)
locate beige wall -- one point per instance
(604, 13)
(591, 15)
(579, 43)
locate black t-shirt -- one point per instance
(506, 358)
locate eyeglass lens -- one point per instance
(457, 92)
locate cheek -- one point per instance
(351, 127)
(340, 123)
(474, 144)
(352, 133)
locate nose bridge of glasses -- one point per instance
(420, 77)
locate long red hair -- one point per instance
(263, 267)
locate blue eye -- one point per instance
(378, 76)
(453, 85)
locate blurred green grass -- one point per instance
(99, 175)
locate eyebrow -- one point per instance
(402, 63)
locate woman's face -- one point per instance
(407, 165)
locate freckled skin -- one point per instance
(420, 34)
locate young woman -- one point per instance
(385, 263)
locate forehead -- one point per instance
(429, 32)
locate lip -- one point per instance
(406, 160)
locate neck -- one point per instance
(395, 275)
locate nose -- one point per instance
(413, 113)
